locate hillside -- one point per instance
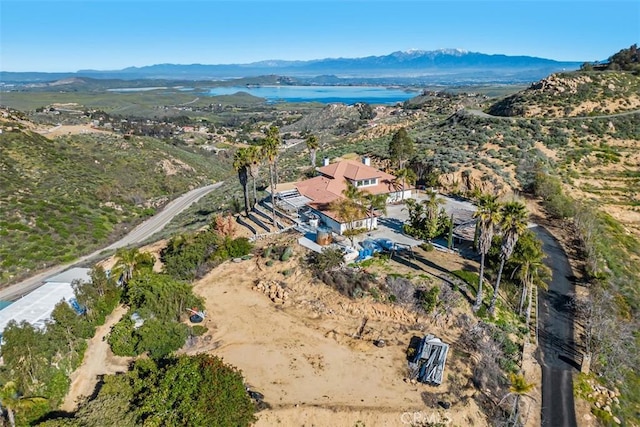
(577, 94)
(65, 196)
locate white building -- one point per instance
(36, 307)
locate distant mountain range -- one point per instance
(445, 65)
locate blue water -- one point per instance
(323, 94)
(4, 304)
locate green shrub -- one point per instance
(288, 252)
(427, 247)
(198, 330)
(161, 339)
(429, 299)
(122, 339)
(266, 252)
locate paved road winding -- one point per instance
(557, 352)
(137, 235)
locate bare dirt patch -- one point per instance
(98, 360)
(69, 130)
(304, 356)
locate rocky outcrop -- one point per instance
(275, 291)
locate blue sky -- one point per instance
(55, 35)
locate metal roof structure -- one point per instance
(427, 366)
(36, 307)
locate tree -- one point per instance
(241, 163)
(488, 216)
(131, 260)
(519, 387)
(12, 402)
(26, 354)
(405, 176)
(270, 146)
(99, 296)
(401, 147)
(254, 156)
(159, 296)
(513, 223)
(450, 235)
(531, 270)
(185, 391)
(348, 211)
(312, 146)
(375, 202)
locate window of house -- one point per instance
(366, 182)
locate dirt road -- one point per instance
(137, 235)
(98, 360)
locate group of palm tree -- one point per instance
(510, 220)
(247, 162)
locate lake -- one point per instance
(323, 94)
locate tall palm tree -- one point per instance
(488, 216)
(405, 176)
(312, 145)
(513, 223)
(254, 156)
(11, 401)
(270, 146)
(531, 269)
(241, 163)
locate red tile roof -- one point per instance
(324, 189)
(353, 170)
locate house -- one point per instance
(319, 192)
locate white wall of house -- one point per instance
(396, 196)
(340, 228)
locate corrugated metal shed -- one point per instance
(36, 307)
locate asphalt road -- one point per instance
(139, 234)
(557, 352)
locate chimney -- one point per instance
(366, 160)
(325, 161)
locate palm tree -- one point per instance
(270, 147)
(353, 193)
(432, 204)
(519, 388)
(241, 163)
(348, 211)
(11, 401)
(129, 261)
(254, 157)
(488, 216)
(531, 269)
(312, 145)
(405, 176)
(375, 202)
(513, 223)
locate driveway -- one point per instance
(390, 226)
(557, 352)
